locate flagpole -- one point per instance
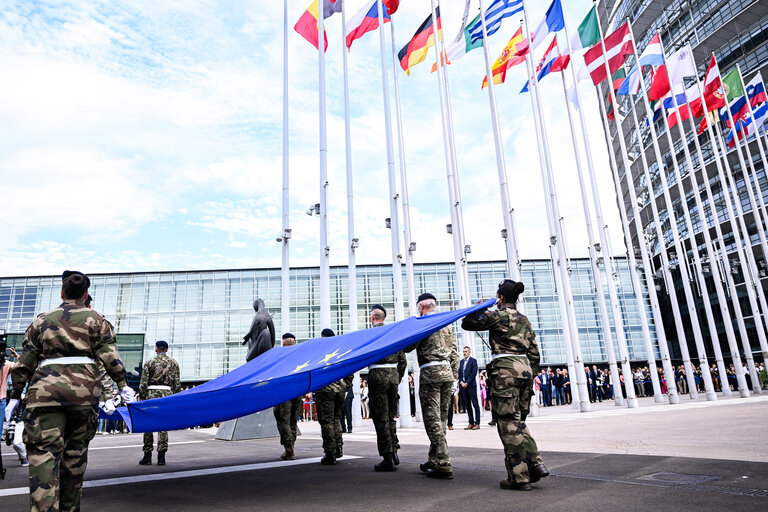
(696, 256)
(557, 235)
(669, 371)
(745, 252)
(397, 273)
(325, 267)
(357, 417)
(513, 264)
(713, 259)
(410, 246)
(599, 289)
(285, 275)
(606, 246)
(761, 149)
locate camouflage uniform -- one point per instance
(435, 390)
(329, 401)
(511, 383)
(60, 407)
(383, 399)
(158, 371)
(286, 416)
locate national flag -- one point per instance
(588, 32)
(651, 56)
(761, 116)
(507, 59)
(714, 94)
(756, 91)
(617, 45)
(739, 133)
(461, 45)
(735, 95)
(739, 110)
(392, 5)
(307, 24)
(496, 12)
(553, 22)
(684, 99)
(617, 79)
(550, 62)
(365, 20)
(416, 49)
(678, 65)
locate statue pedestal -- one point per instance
(258, 425)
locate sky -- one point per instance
(147, 136)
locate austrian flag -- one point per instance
(617, 45)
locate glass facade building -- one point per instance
(205, 314)
(736, 32)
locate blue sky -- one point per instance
(143, 135)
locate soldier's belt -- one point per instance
(161, 388)
(66, 360)
(497, 356)
(386, 365)
(433, 363)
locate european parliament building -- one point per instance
(736, 31)
(205, 314)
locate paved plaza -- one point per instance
(696, 455)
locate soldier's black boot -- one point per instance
(288, 453)
(425, 466)
(385, 465)
(436, 473)
(147, 460)
(395, 459)
(339, 452)
(161, 458)
(537, 472)
(515, 486)
(328, 460)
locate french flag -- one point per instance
(365, 20)
(652, 56)
(551, 62)
(553, 22)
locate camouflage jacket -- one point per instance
(440, 346)
(159, 371)
(388, 375)
(70, 330)
(340, 386)
(510, 333)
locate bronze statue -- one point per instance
(261, 336)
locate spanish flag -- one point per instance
(509, 57)
(416, 49)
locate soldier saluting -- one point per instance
(58, 361)
(510, 373)
(159, 378)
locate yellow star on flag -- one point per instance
(301, 367)
(329, 356)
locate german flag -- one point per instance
(416, 49)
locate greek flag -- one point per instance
(498, 10)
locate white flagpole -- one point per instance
(357, 417)
(596, 272)
(557, 236)
(669, 371)
(713, 258)
(513, 264)
(746, 255)
(684, 276)
(696, 256)
(761, 149)
(325, 266)
(397, 273)
(409, 245)
(285, 272)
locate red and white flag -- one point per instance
(617, 45)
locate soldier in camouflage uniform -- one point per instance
(58, 362)
(287, 413)
(510, 375)
(329, 402)
(383, 379)
(159, 378)
(439, 364)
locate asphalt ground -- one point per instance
(692, 456)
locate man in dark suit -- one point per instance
(558, 381)
(546, 388)
(468, 389)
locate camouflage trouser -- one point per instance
(286, 415)
(383, 400)
(162, 437)
(57, 448)
(519, 447)
(329, 406)
(435, 399)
